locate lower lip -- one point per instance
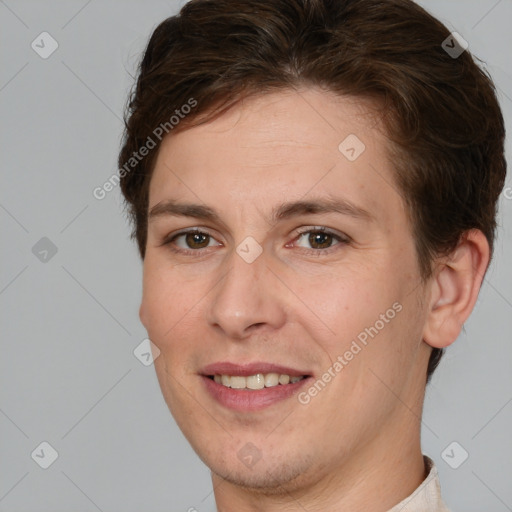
(246, 400)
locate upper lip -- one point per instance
(244, 370)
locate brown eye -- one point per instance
(319, 240)
(192, 242)
(196, 240)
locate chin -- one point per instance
(267, 477)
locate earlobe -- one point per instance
(142, 315)
(455, 289)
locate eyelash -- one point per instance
(342, 240)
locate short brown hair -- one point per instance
(441, 112)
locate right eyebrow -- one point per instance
(175, 209)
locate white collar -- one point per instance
(427, 497)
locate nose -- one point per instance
(248, 297)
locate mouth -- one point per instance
(253, 386)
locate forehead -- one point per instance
(287, 144)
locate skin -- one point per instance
(356, 444)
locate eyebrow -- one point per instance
(284, 211)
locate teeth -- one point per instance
(238, 382)
(257, 381)
(284, 379)
(271, 380)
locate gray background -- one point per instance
(68, 375)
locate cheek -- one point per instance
(170, 308)
(349, 301)
(161, 304)
(372, 313)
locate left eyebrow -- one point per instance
(319, 206)
(284, 211)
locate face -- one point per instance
(280, 259)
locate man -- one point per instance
(313, 186)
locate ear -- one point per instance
(454, 289)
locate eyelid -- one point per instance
(323, 229)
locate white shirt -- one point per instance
(427, 497)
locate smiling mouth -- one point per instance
(251, 387)
(256, 381)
